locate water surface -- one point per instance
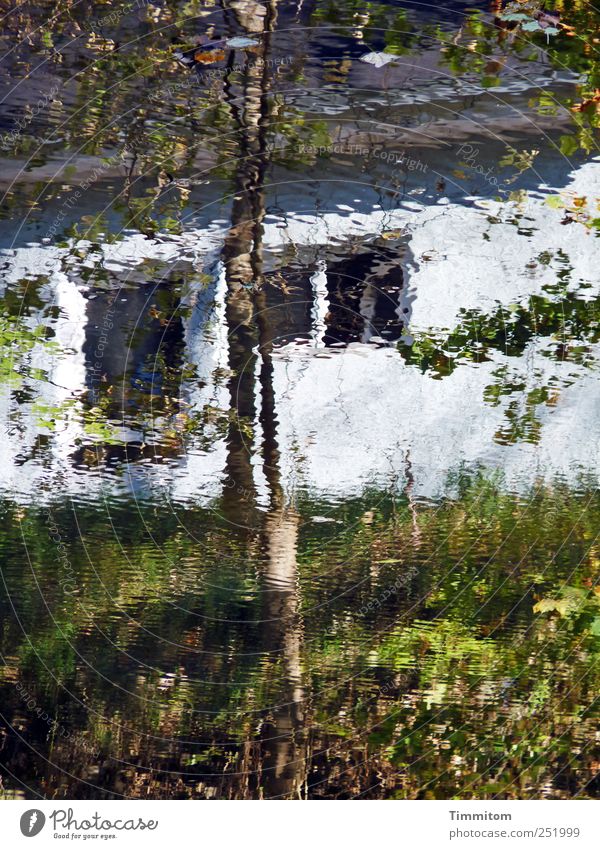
(299, 471)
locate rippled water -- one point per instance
(299, 472)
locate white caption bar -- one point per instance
(267, 825)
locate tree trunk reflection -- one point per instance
(280, 757)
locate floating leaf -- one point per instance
(241, 42)
(207, 57)
(590, 103)
(569, 145)
(548, 20)
(378, 59)
(555, 202)
(531, 26)
(493, 66)
(572, 599)
(517, 195)
(515, 16)
(551, 605)
(182, 58)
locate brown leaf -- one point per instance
(208, 57)
(494, 65)
(590, 103)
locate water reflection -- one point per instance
(300, 469)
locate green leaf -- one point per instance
(552, 605)
(569, 145)
(572, 600)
